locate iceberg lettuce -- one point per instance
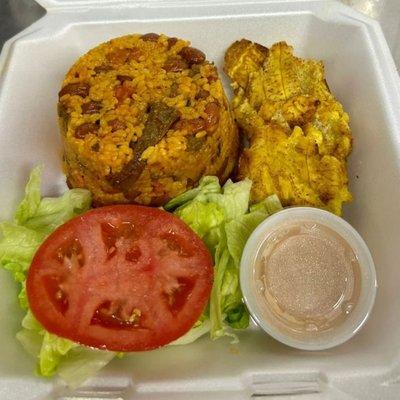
(35, 218)
(223, 218)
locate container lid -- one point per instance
(51, 4)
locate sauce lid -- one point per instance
(361, 309)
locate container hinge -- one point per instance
(285, 384)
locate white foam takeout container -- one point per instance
(360, 72)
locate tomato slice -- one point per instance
(122, 278)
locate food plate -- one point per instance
(362, 75)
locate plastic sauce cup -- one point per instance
(350, 325)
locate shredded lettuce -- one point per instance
(222, 217)
(35, 218)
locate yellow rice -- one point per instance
(103, 148)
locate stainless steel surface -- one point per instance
(387, 12)
(16, 15)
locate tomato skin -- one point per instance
(121, 278)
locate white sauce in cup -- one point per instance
(308, 278)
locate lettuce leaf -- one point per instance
(17, 247)
(205, 219)
(31, 201)
(35, 218)
(80, 363)
(207, 185)
(72, 362)
(222, 217)
(233, 199)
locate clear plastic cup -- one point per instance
(362, 309)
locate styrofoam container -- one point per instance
(360, 72)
